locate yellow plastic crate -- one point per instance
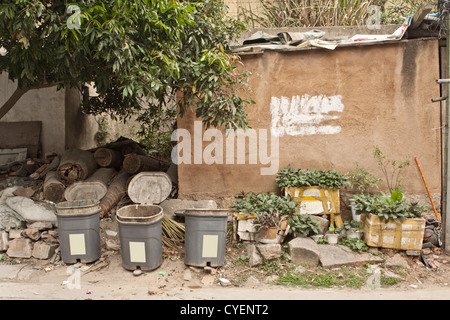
(317, 200)
(406, 235)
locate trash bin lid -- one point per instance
(149, 187)
(78, 207)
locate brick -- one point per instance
(40, 225)
(20, 248)
(32, 233)
(15, 234)
(3, 240)
(42, 250)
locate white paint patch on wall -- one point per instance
(304, 115)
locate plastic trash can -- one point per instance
(140, 224)
(205, 237)
(140, 234)
(79, 230)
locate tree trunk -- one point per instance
(116, 190)
(108, 158)
(76, 165)
(12, 101)
(17, 95)
(135, 163)
(53, 188)
(94, 187)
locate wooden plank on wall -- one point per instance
(21, 134)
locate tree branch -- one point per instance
(12, 101)
(16, 96)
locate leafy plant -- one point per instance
(361, 180)
(291, 177)
(134, 53)
(354, 244)
(303, 224)
(391, 169)
(309, 13)
(392, 207)
(332, 229)
(269, 208)
(397, 10)
(349, 226)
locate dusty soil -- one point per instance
(107, 279)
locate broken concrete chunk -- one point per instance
(30, 210)
(7, 193)
(9, 219)
(20, 248)
(40, 225)
(269, 251)
(43, 250)
(32, 233)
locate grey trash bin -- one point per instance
(140, 234)
(205, 237)
(140, 224)
(79, 230)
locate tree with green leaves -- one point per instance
(135, 54)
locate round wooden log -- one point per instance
(135, 163)
(53, 188)
(116, 190)
(108, 158)
(93, 188)
(76, 165)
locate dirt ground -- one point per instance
(173, 280)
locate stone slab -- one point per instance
(306, 251)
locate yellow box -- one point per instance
(406, 235)
(317, 200)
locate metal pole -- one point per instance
(446, 217)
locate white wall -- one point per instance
(46, 105)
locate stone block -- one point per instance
(246, 229)
(269, 251)
(20, 248)
(42, 250)
(304, 251)
(15, 234)
(323, 224)
(254, 257)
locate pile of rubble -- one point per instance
(31, 189)
(27, 226)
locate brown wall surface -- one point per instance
(373, 95)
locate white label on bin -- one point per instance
(137, 251)
(77, 244)
(210, 245)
